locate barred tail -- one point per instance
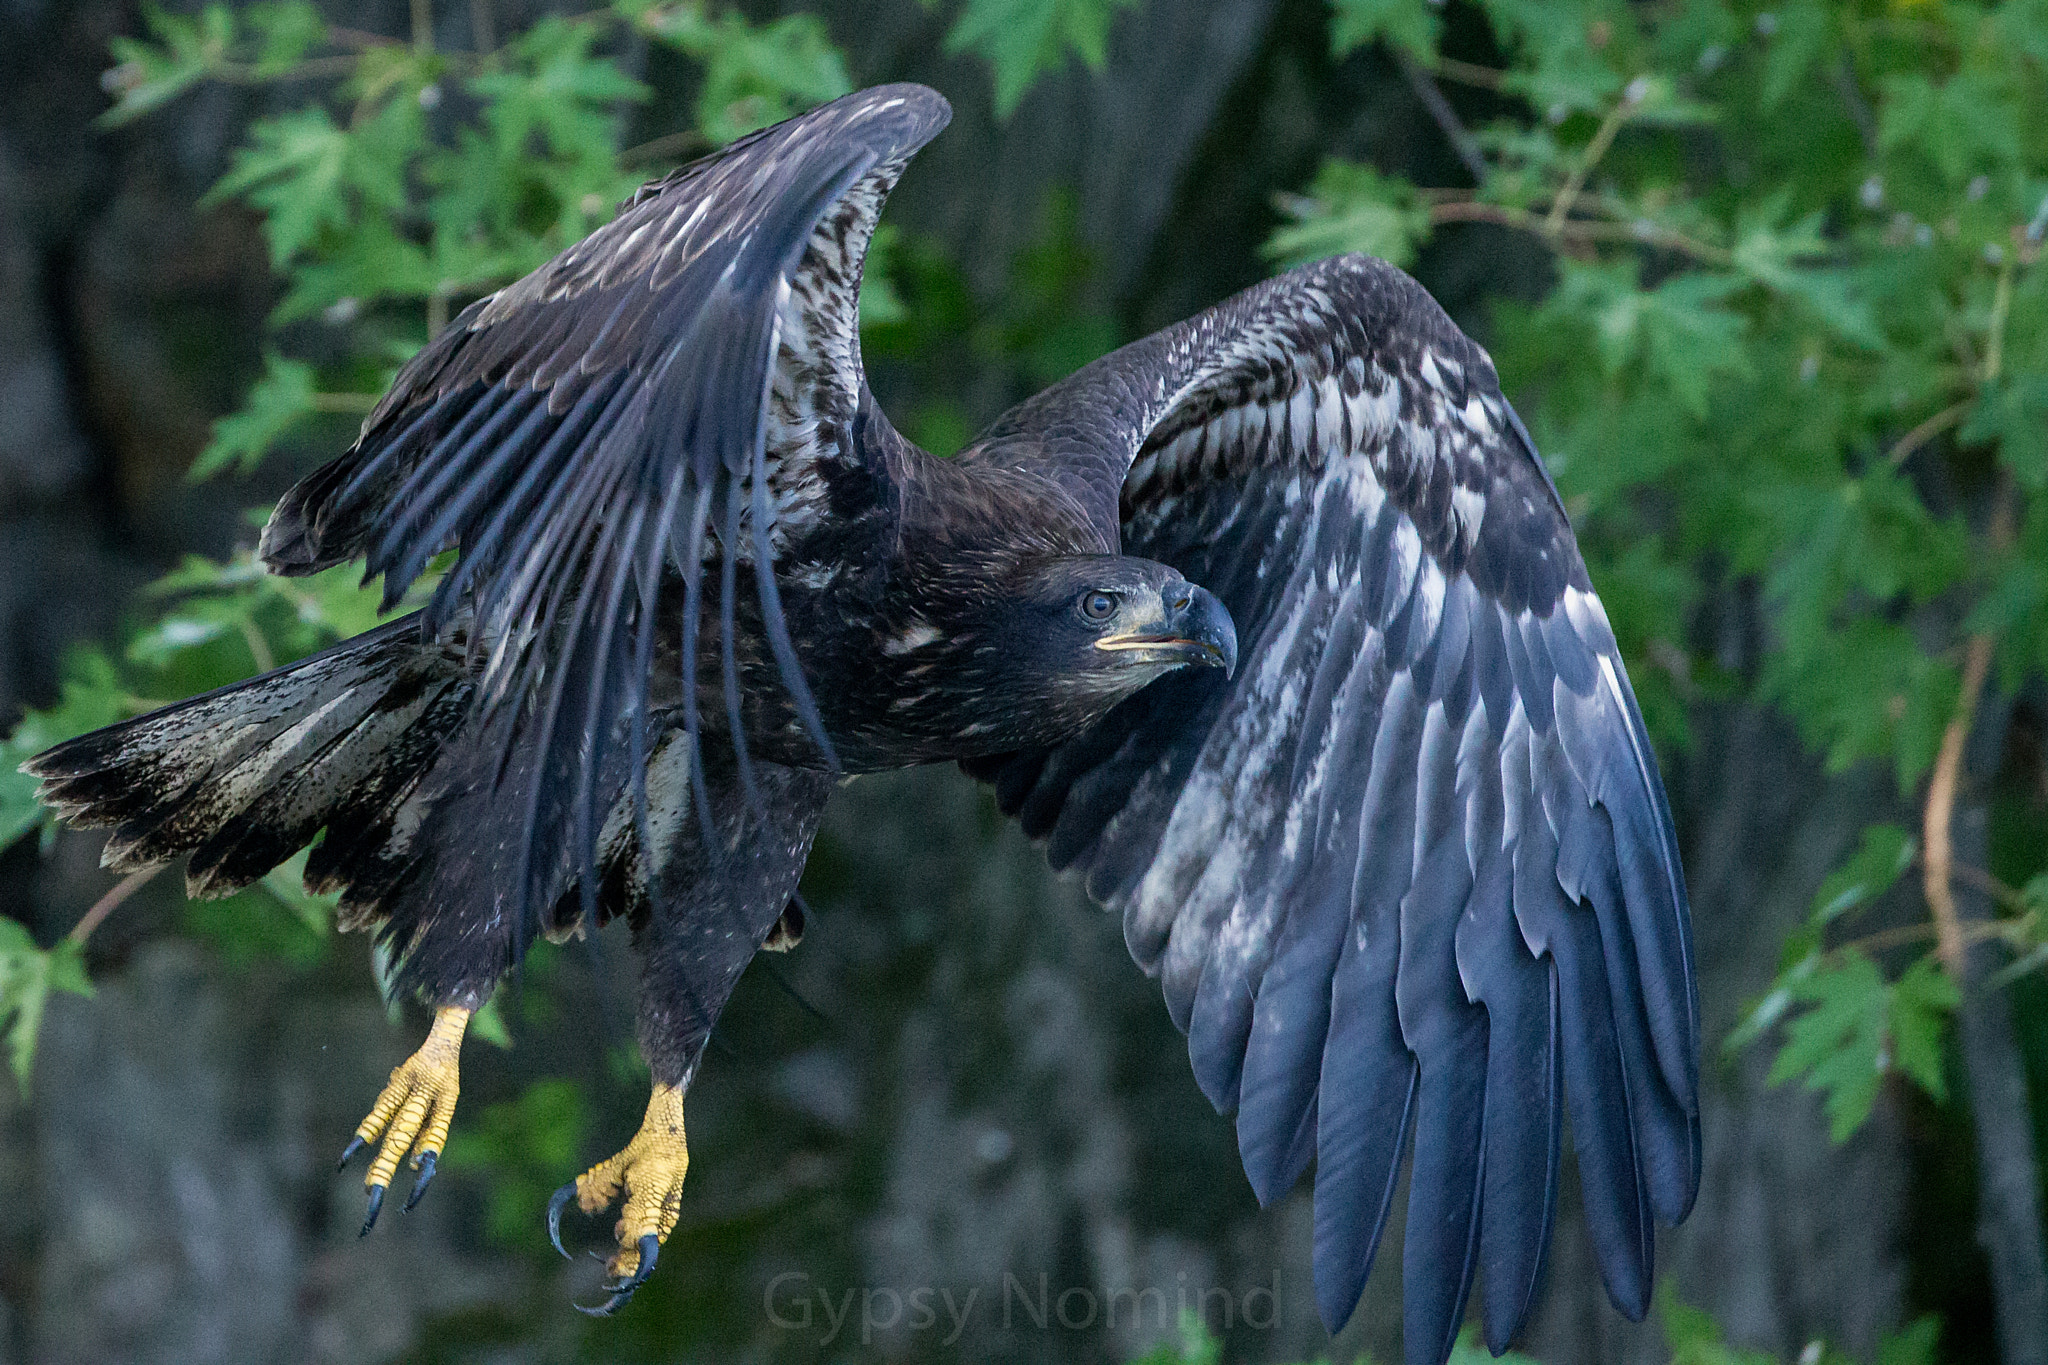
(244, 777)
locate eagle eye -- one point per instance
(1098, 605)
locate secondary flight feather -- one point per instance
(1271, 625)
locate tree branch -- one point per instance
(1939, 812)
(106, 904)
(1447, 122)
(1925, 432)
(1578, 230)
(1603, 138)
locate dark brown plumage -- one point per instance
(1400, 859)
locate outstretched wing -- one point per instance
(655, 398)
(1413, 868)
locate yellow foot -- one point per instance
(413, 1113)
(650, 1171)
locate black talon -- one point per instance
(622, 1290)
(355, 1144)
(376, 1207)
(419, 1186)
(605, 1309)
(558, 1201)
(650, 1251)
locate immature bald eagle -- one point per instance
(1271, 624)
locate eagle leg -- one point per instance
(650, 1173)
(413, 1112)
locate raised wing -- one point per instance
(1413, 868)
(655, 398)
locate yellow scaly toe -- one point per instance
(650, 1171)
(413, 1112)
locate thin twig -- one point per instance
(1992, 886)
(1925, 432)
(259, 648)
(1447, 122)
(483, 28)
(423, 27)
(1940, 809)
(360, 39)
(1909, 933)
(1938, 856)
(106, 904)
(1941, 788)
(1579, 229)
(241, 73)
(2001, 305)
(1603, 138)
(1466, 73)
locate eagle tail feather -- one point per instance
(243, 777)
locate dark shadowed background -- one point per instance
(958, 1084)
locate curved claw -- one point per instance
(426, 1177)
(605, 1309)
(376, 1207)
(558, 1201)
(355, 1144)
(622, 1290)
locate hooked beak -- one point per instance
(1197, 629)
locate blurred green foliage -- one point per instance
(1693, 1337)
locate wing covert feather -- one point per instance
(1412, 871)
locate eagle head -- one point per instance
(1111, 623)
(1070, 636)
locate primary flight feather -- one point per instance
(1272, 625)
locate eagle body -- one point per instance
(1270, 625)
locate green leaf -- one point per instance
(91, 697)
(527, 1145)
(27, 976)
(1695, 1338)
(1961, 126)
(754, 75)
(488, 1023)
(1921, 1004)
(1412, 25)
(1885, 852)
(146, 76)
(1022, 39)
(1838, 1045)
(1559, 66)
(277, 402)
(1780, 258)
(1469, 1350)
(1918, 1344)
(1681, 332)
(276, 919)
(293, 169)
(1799, 40)
(1859, 1027)
(2014, 413)
(1197, 1345)
(285, 31)
(1351, 207)
(553, 89)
